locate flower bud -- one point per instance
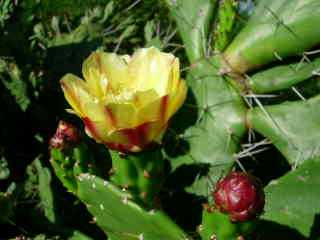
(125, 102)
(240, 195)
(66, 136)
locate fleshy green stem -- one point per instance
(216, 225)
(140, 173)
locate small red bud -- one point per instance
(240, 195)
(66, 135)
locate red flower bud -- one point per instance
(240, 195)
(66, 135)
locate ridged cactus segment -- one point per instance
(69, 164)
(277, 29)
(140, 173)
(293, 200)
(293, 127)
(284, 76)
(116, 214)
(216, 226)
(193, 20)
(220, 111)
(63, 170)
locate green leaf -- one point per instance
(293, 200)
(46, 191)
(277, 29)
(6, 9)
(4, 170)
(293, 127)
(149, 30)
(10, 75)
(108, 10)
(116, 214)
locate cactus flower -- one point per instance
(240, 195)
(126, 101)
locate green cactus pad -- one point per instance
(283, 77)
(116, 214)
(277, 29)
(220, 123)
(216, 225)
(293, 127)
(293, 200)
(193, 20)
(142, 173)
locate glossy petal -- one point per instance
(176, 99)
(135, 139)
(151, 69)
(122, 115)
(105, 72)
(83, 103)
(175, 76)
(98, 130)
(76, 93)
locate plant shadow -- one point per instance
(315, 230)
(267, 230)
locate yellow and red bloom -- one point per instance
(126, 101)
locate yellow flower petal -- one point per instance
(176, 99)
(175, 76)
(153, 111)
(142, 98)
(105, 72)
(136, 139)
(84, 105)
(122, 115)
(98, 131)
(76, 93)
(151, 69)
